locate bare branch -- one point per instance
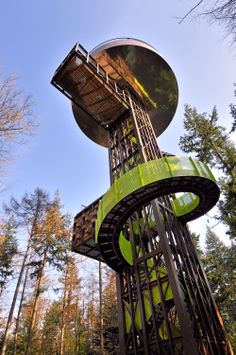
(16, 117)
(218, 11)
(190, 11)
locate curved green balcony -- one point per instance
(139, 186)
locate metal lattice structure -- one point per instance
(138, 227)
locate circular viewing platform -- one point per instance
(97, 84)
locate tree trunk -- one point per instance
(219, 155)
(19, 310)
(15, 211)
(101, 309)
(35, 305)
(10, 316)
(77, 328)
(61, 350)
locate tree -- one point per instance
(101, 314)
(222, 12)
(27, 213)
(63, 330)
(101, 307)
(25, 320)
(47, 229)
(70, 322)
(16, 117)
(111, 332)
(233, 113)
(220, 266)
(212, 145)
(196, 242)
(51, 329)
(8, 251)
(50, 245)
(92, 315)
(210, 142)
(21, 306)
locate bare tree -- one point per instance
(218, 11)
(16, 117)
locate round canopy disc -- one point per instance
(136, 65)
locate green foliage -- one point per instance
(196, 241)
(29, 211)
(110, 322)
(208, 140)
(233, 114)
(51, 329)
(48, 232)
(8, 249)
(70, 324)
(48, 227)
(212, 145)
(220, 267)
(51, 236)
(227, 205)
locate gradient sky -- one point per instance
(35, 36)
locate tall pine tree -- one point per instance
(210, 142)
(220, 266)
(8, 249)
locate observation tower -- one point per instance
(124, 95)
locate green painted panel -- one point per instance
(147, 305)
(185, 204)
(163, 332)
(109, 200)
(181, 206)
(125, 248)
(153, 171)
(127, 318)
(127, 184)
(150, 172)
(181, 166)
(125, 245)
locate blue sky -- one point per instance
(34, 38)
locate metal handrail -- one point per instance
(101, 72)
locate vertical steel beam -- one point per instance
(121, 320)
(185, 323)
